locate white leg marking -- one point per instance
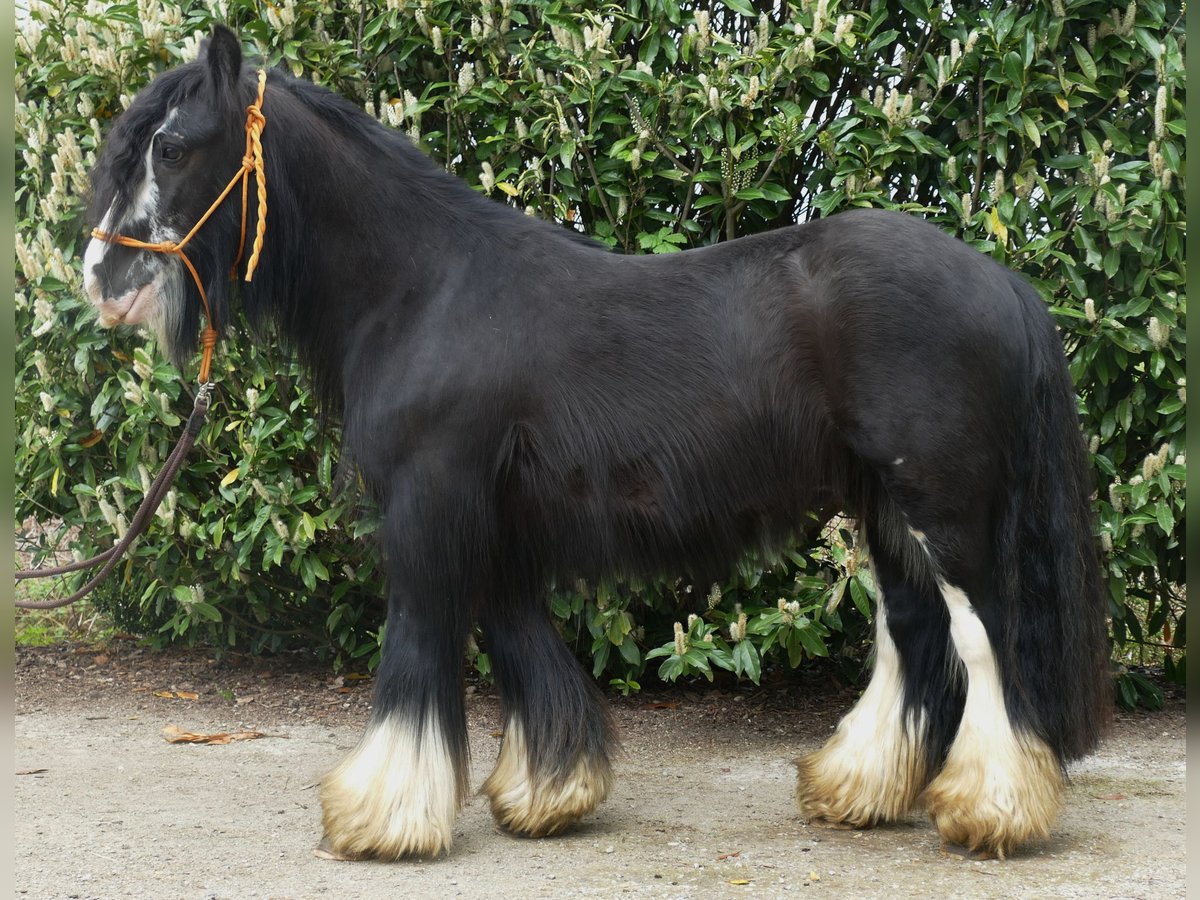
(873, 767)
(536, 804)
(999, 787)
(395, 795)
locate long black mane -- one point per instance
(332, 168)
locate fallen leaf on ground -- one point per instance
(730, 855)
(31, 771)
(1112, 797)
(177, 695)
(672, 704)
(740, 881)
(175, 735)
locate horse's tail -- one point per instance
(1054, 603)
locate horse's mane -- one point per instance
(398, 191)
(310, 129)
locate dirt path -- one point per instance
(703, 806)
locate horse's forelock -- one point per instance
(121, 165)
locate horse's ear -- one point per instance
(222, 54)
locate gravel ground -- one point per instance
(106, 808)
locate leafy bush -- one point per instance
(1048, 135)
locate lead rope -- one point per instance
(252, 161)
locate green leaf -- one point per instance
(812, 641)
(746, 660)
(1032, 131)
(744, 7)
(859, 595)
(1086, 64)
(1164, 517)
(205, 611)
(600, 659)
(630, 652)
(1014, 68)
(671, 668)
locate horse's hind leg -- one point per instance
(554, 757)
(1002, 783)
(888, 745)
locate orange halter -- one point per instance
(251, 162)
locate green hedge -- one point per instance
(1048, 135)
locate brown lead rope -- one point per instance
(150, 503)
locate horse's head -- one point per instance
(164, 163)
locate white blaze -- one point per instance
(144, 207)
(156, 304)
(92, 258)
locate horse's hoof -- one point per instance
(994, 802)
(394, 797)
(836, 789)
(834, 825)
(536, 804)
(324, 850)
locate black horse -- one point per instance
(527, 406)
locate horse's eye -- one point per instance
(169, 151)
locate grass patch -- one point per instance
(76, 623)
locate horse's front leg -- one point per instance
(398, 792)
(554, 763)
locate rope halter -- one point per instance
(252, 161)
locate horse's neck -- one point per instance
(371, 235)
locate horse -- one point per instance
(528, 407)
